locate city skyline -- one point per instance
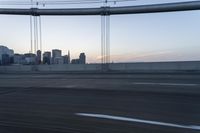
(144, 37)
(55, 56)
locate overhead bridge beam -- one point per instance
(154, 8)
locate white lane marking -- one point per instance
(193, 127)
(169, 84)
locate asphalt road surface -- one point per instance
(100, 103)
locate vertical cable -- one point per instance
(31, 31)
(31, 34)
(40, 29)
(102, 39)
(34, 34)
(36, 28)
(108, 38)
(105, 40)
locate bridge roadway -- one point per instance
(100, 103)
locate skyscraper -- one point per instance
(39, 55)
(66, 59)
(56, 55)
(47, 58)
(5, 59)
(82, 58)
(5, 53)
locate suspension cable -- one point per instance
(66, 2)
(31, 34)
(40, 30)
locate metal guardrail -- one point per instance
(154, 8)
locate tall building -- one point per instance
(47, 58)
(82, 58)
(5, 59)
(6, 55)
(39, 56)
(66, 58)
(56, 55)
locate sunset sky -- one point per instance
(134, 38)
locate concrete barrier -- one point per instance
(69, 67)
(157, 66)
(126, 67)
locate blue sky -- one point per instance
(141, 37)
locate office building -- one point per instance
(56, 53)
(47, 58)
(6, 55)
(39, 56)
(66, 59)
(82, 58)
(5, 59)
